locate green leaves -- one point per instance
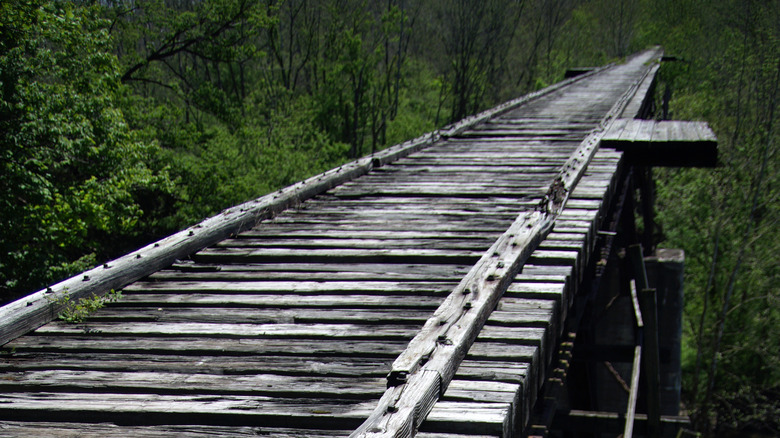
(71, 165)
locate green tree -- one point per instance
(72, 169)
(726, 218)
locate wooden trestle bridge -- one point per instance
(423, 290)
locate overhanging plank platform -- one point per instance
(663, 143)
(290, 327)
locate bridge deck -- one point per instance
(289, 329)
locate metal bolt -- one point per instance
(86, 278)
(467, 305)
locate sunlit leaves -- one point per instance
(71, 165)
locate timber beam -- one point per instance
(664, 143)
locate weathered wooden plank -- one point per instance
(292, 287)
(150, 409)
(665, 143)
(345, 301)
(270, 233)
(89, 343)
(118, 314)
(462, 417)
(347, 243)
(37, 429)
(510, 371)
(421, 269)
(236, 331)
(224, 273)
(223, 365)
(399, 255)
(162, 383)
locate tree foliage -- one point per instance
(72, 170)
(726, 219)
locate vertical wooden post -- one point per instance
(665, 274)
(650, 360)
(628, 431)
(647, 301)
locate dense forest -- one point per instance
(122, 121)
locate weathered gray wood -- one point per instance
(628, 431)
(443, 345)
(346, 243)
(149, 409)
(91, 343)
(292, 287)
(400, 255)
(237, 331)
(262, 316)
(30, 429)
(469, 418)
(153, 382)
(664, 143)
(236, 365)
(345, 301)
